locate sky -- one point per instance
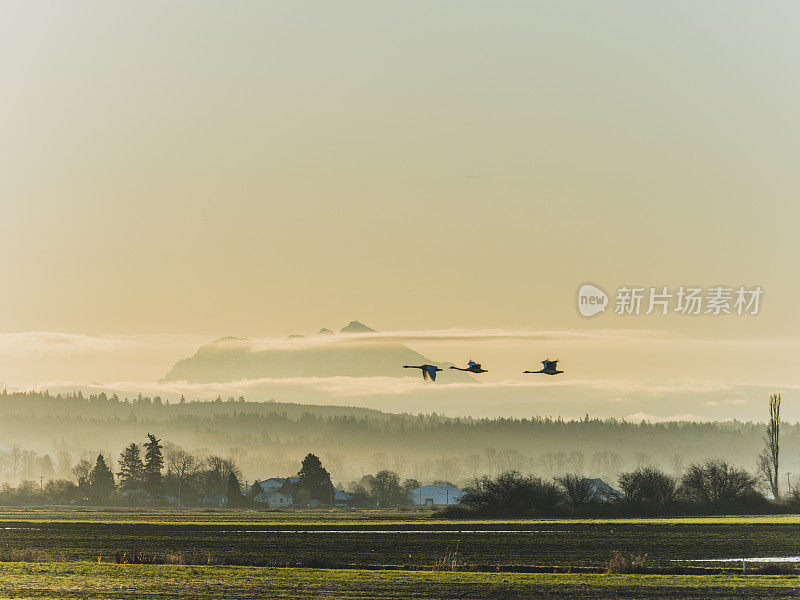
(171, 173)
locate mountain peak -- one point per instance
(228, 339)
(325, 331)
(356, 327)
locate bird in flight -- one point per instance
(472, 367)
(427, 370)
(550, 367)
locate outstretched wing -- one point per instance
(431, 370)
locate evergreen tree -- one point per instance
(131, 468)
(101, 481)
(234, 491)
(315, 479)
(153, 463)
(254, 490)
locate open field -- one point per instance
(87, 580)
(382, 555)
(376, 517)
(238, 537)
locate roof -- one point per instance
(602, 489)
(273, 494)
(427, 489)
(278, 480)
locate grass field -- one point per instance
(379, 555)
(292, 540)
(87, 580)
(378, 517)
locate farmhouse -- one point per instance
(274, 484)
(277, 493)
(436, 495)
(274, 499)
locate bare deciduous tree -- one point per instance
(180, 464)
(578, 491)
(768, 460)
(576, 461)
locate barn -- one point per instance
(436, 495)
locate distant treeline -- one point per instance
(712, 487)
(267, 439)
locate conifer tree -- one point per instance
(153, 463)
(131, 468)
(101, 481)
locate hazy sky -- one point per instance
(260, 168)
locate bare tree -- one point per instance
(578, 491)
(717, 482)
(180, 464)
(678, 463)
(378, 460)
(643, 459)
(473, 464)
(768, 460)
(399, 463)
(576, 460)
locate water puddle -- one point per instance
(393, 531)
(753, 559)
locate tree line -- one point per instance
(269, 438)
(714, 485)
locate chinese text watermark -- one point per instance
(684, 300)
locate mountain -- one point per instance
(324, 355)
(356, 327)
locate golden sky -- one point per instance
(261, 168)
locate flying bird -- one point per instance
(472, 367)
(550, 367)
(427, 370)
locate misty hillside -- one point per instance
(322, 355)
(270, 438)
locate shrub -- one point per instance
(511, 494)
(716, 482)
(578, 491)
(627, 563)
(648, 486)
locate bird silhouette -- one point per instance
(550, 367)
(472, 367)
(427, 370)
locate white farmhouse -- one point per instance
(436, 495)
(274, 499)
(272, 484)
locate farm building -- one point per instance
(215, 500)
(340, 498)
(602, 491)
(436, 495)
(273, 484)
(274, 499)
(284, 487)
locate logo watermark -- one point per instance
(591, 300)
(684, 300)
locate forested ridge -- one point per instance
(268, 438)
